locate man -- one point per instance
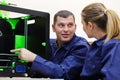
(68, 50)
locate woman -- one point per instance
(103, 58)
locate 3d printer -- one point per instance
(30, 31)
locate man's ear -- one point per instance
(53, 27)
(91, 25)
(75, 26)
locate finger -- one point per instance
(15, 50)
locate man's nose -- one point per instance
(66, 28)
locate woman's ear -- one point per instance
(91, 25)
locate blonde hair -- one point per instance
(113, 25)
(105, 19)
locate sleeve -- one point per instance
(111, 69)
(71, 66)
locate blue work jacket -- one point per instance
(102, 61)
(66, 61)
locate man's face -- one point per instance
(64, 28)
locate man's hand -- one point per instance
(25, 54)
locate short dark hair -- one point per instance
(64, 14)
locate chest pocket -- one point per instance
(60, 55)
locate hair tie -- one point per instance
(105, 11)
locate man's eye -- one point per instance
(70, 25)
(60, 25)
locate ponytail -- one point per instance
(113, 25)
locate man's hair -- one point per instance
(64, 14)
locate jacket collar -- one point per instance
(100, 41)
(67, 45)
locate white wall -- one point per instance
(52, 6)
